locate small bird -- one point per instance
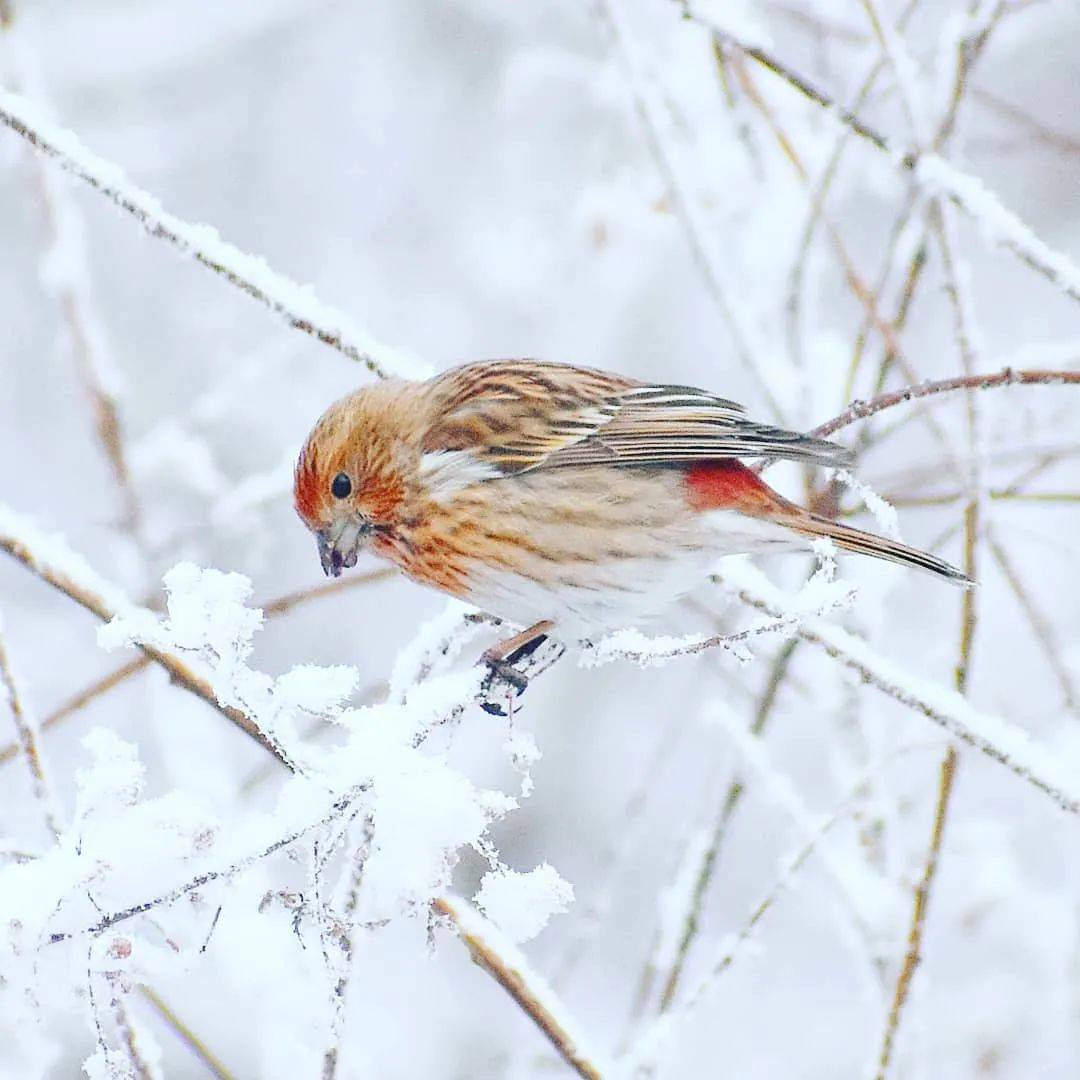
(562, 499)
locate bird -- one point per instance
(566, 500)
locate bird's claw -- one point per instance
(508, 676)
(503, 682)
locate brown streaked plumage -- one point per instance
(545, 492)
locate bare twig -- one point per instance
(918, 914)
(685, 210)
(860, 410)
(209, 1059)
(295, 303)
(732, 797)
(964, 330)
(27, 729)
(1040, 626)
(68, 279)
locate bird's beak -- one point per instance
(340, 543)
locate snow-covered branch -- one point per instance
(294, 302)
(938, 176)
(505, 963)
(55, 563)
(997, 738)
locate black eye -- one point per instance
(341, 488)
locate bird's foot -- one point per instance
(508, 674)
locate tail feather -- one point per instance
(848, 538)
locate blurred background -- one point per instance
(614, 184)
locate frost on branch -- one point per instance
(521, 904)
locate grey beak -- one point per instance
(329, 555)
(340, 544)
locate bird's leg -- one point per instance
(502, 658)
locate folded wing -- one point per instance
(520, 416)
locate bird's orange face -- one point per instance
(346, 487)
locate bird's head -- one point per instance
(347, 485)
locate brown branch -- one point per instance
(968, 621)
(1040, 627)
(918, 914)
(28, 743)
(206, 1056)
(179, 672)
(860, 410)
(515, 982)
(75, 302)
(280, 605)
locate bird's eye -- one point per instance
(341, 488)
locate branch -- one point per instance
(294, 302)
(280, 605)
(861, 410)
(506, 964)
(650, 115)
(918, 911)
(27, 730)
(964, 328)
(52, 561)
(997, 738)
(930, 171)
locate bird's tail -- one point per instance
(848, 538)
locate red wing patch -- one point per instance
(730, 485)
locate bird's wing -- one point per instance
(513, 417)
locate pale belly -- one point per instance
(586, 600)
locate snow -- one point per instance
(520, 903)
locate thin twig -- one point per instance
(1040, 626)
(934, 173)
(332, 1056)
(76, 305)
(964, 331)
(648, 115)
(860, 410)
(209, 1059)
(27, 729)
(918, 914)
(732, 797)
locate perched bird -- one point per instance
(562, 499)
